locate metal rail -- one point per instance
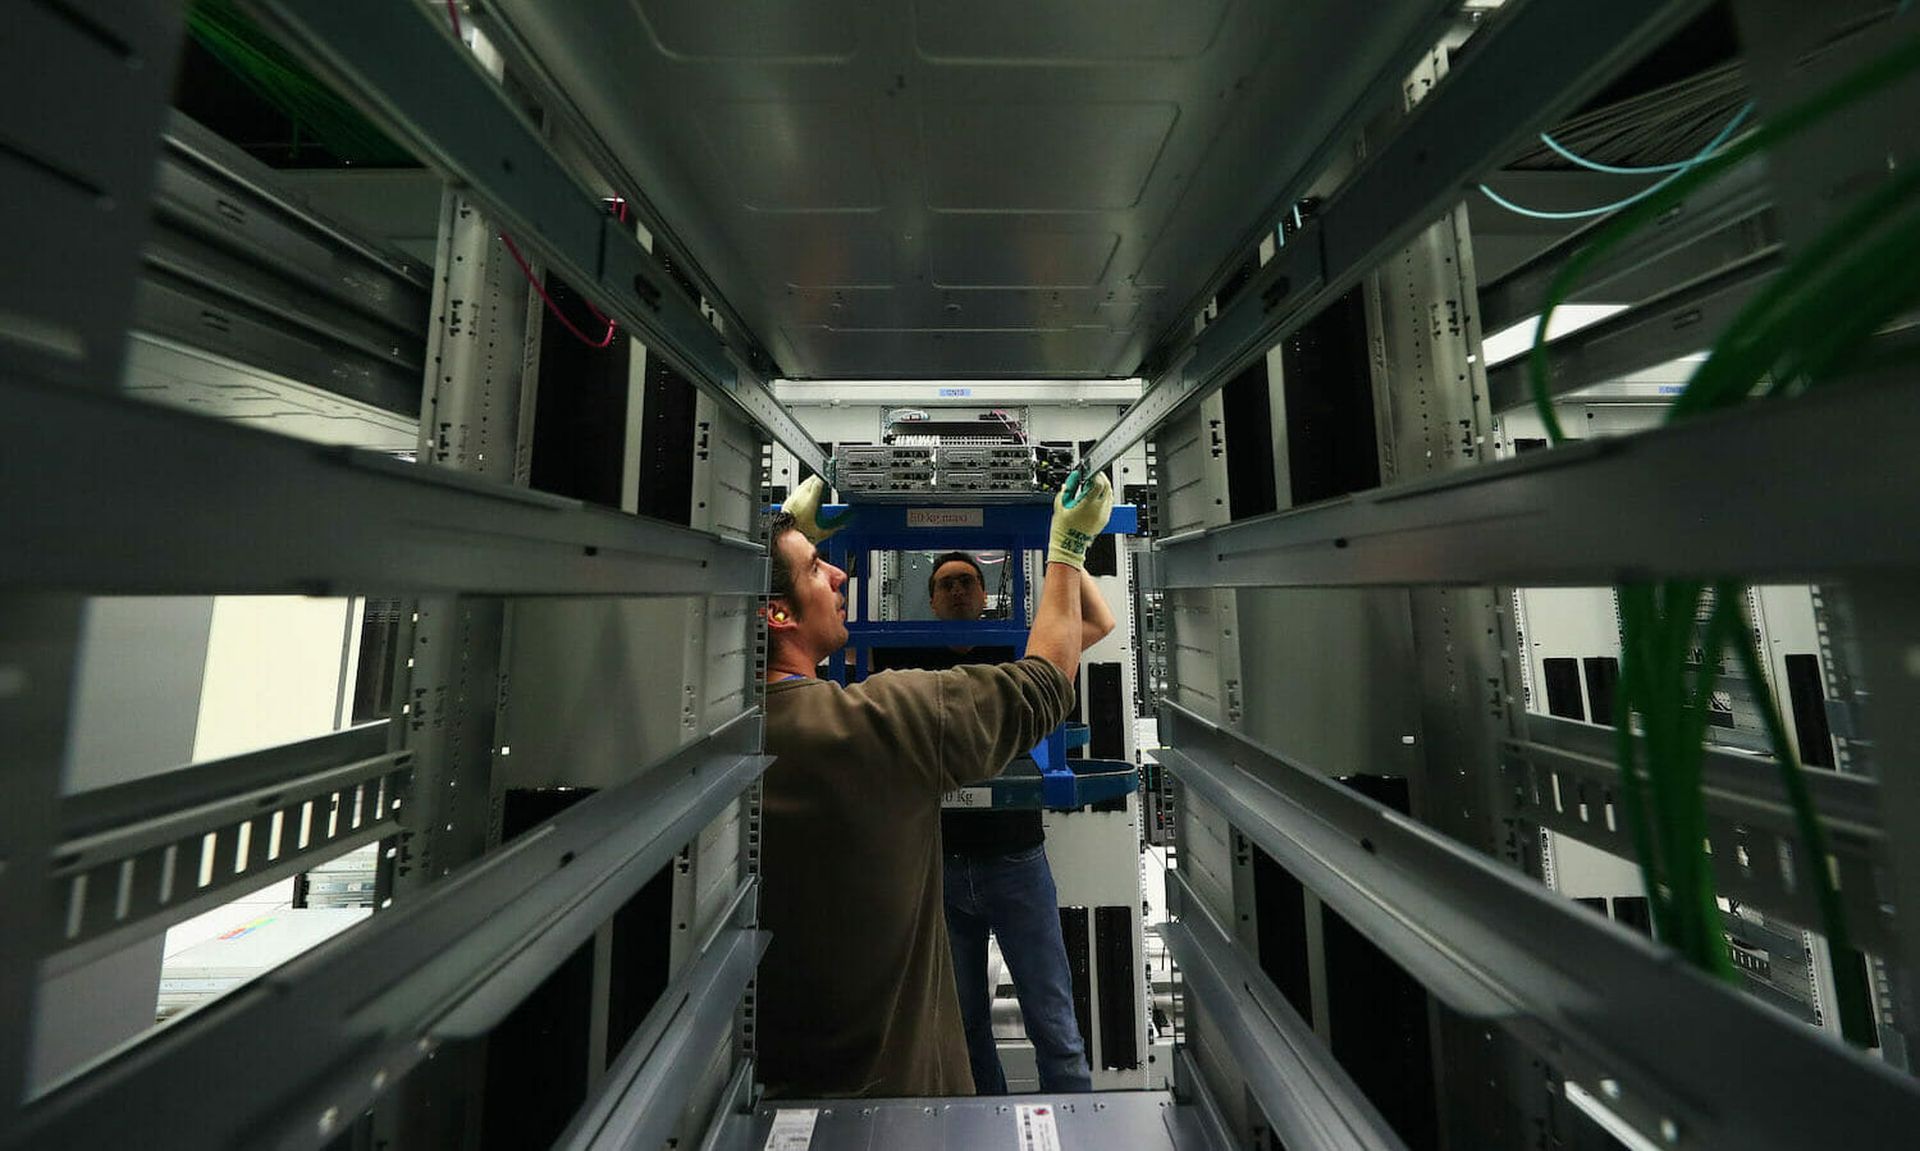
(186, 505)
(1726, 221)
(642, 1097)
(1312, 1102)
(1681, 500)
(1676, 322)
(139, 857)
(1563, 776)
(412, 76)
(1538, 61)
(1687, 1061)
(290, 1058)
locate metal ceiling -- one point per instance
(994, 189)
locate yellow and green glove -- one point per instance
(1080, 513)
(804, 506)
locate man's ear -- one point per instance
(779, 615)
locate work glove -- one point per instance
(804, 506)
(1080, 512)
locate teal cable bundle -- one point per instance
(1677, 169)
(1572, 157)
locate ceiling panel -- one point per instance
(951, 353)
(795, 156)
(1065, 31)
(995, 189)
(815, 250)
(759, 30)
(1041, 157)
(992, 251)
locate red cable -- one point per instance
(553, 308)
(526, 269)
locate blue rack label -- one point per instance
(946, 517)
(955, 393)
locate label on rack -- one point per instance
(1036, 1125)
(968, 797)
(946, 517)
(792, 1129)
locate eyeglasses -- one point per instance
(966, 581)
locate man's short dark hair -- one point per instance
(955, 557)
(780, 583)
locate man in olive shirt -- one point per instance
(856, 992)
(996, 875)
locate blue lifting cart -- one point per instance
(1014, 528)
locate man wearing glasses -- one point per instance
(996, 876)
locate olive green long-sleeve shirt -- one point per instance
(856, 993)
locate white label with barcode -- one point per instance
(1037, 1130)
(968, 797)
(792, 1129)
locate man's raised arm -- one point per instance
(1061, 623)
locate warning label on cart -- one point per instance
(946, 517)
(1037, 1130)
(792, 1129)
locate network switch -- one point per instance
(995, 471)
(884, 456)
(883, 481)
(987, 456)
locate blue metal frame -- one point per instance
(1083, 782)
(889, 527)
(1012, 528)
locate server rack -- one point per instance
(1513, 1056)
(467, 931)
(1541, 1008)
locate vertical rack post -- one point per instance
(77, 189)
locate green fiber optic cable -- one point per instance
(278, 78)
(1815, 317)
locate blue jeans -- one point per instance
(1013, 897)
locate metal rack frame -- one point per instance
(1606, 1005)
(182, 504)
(320, 1038)
(1649, 1050)
(1539, 61)
(409, 71)
(1536, 990)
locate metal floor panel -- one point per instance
(1103, 1121)
(1004, 189)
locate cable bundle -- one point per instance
(1656, 131)
(1812, 324)
(277, 77)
